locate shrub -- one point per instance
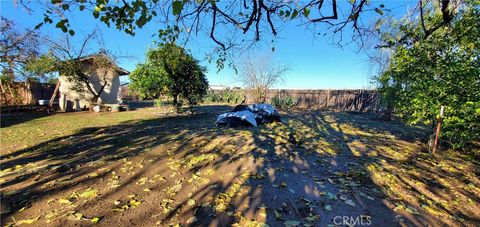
(286, 102)
(224, 96)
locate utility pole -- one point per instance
(439, 126)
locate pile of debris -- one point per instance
(251, 115)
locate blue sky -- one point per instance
(314, 62)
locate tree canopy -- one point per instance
(170, 70)
(442, 69)
(17, 48)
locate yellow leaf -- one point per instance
(26, 221)
(64, 201)
(89, 193)
(95, 220)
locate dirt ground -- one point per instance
(317, 168)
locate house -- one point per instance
(75, 95)
(218, 87)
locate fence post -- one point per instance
(439, 125)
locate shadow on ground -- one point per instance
(13, 118)
(317, 168)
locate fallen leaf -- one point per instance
(135, 203)
(312, 218)
(262, 212)
(64, 201)
(411, 210)
(95, 220)
(328, 207)
(331, 195)
(89, 193)
(191, 220)
(330, 180)
(291, 223)
(277, 214)
(350, 202)
(26, 221)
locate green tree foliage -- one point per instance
(170, 70)
(148, 81)
(442, 69)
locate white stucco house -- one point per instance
(74, 97)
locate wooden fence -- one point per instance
(22, 94)
(348, 100)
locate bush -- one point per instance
(442, 70)
(163, 101)
(224, 96)
(287, 102)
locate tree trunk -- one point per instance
(387, 115)
(94, 99)
(175, 103)
(265, 93)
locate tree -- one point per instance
(261, 74)
(53, 80)
(148, 81)
(70, 63)
(170, 70)
(441, 69)
(17, 48)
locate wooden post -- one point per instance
(52, 99)
(437, 133)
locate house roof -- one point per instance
(121, 71)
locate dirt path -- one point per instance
(317, 169)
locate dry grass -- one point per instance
(139, 168)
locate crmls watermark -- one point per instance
(352, 221)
